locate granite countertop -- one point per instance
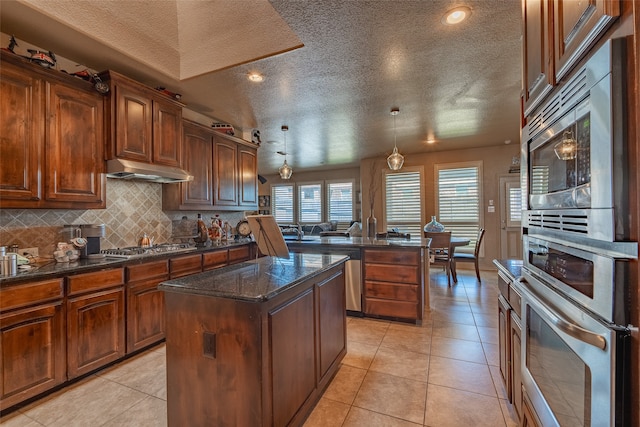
(257, 280)
(51, 269)
(510, 267)
(359, 242)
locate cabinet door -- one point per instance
(32, 352)
(537, 77)
(333, 338)
(145, 314)
(95, 331)
(504, 347)
(75, 146)
(22, 133)
(248, 177)
(133, 124)
(167, 133)
(198, 160)
(516, 361)
(577, 25)
(293, 376)
(225, 182)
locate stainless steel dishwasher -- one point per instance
(353, 281)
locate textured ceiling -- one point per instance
(333, 69)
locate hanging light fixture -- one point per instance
(395, 159)
(567, 148)
(285, 170)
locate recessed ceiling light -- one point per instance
(255, 77)
(430, 141)
(456, 15)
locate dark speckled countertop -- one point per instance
(358, 242)
(257, 280)
(511, 267)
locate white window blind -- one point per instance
(515, 202)
(403, 202)
(282, 203)
(310, 203)
(340, 202)
(458, 201)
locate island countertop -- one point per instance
(358, 242)
(257, 280)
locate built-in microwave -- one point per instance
(574, 146)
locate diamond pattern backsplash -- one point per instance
(133, 208)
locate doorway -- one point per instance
(510, 217)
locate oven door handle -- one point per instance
(567, 327)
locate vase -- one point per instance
(372, 226)
(434, 226)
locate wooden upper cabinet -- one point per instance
(537, 77)
(52, 130)
(75, 146)
(577, 26)
(248, 176)
(225, 171)
(21, 132)
(146, 126)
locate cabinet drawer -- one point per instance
(211, 260)
(30, 294)
(392, 257)
(391, 291)
(515, 300)
(147, 270)
(392, 273)
(95, 281)
(239, 254)
(383, 307)
(185, 265)
(503, 283)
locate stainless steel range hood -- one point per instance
(130, 170)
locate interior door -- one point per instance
(510, 217)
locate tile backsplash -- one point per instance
(133, 208)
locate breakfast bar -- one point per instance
(254, 343)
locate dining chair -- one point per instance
(440, 250)
(466, 257)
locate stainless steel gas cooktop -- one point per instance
(140, 252)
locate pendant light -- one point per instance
(395, 159)
(567, 149)
(285, 170)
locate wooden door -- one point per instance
(95, 331)
(331, 297)
(516, 362)
(133, 124)
(248, 177)
(22, 133)
(167, 133)
(75, 146)
(225, 179)
(577, 26)
(510, 217)
(537, 77)
(504, 346)
(198, 161)
(32, 352)
(145, 314)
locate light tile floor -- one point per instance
(441, 374)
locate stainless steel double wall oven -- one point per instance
(575, 296)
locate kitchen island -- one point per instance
(255, 343)
(392, 279)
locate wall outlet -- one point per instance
(29, 252)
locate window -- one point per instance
(458, 195)
(309, 203)
(340, 203)
(282, 200)
(313, 202)
(403, 201)
(514, 215)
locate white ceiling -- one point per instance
(333, 69)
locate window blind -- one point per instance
(404, 202)
(282, 203)
(340, 202)
(310, 203)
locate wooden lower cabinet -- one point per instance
(529, 416)
(95, 320)
(504, 344)
(185, 265)
(244, 363)
(393, 283)
(145, 304)
(215, 259)
(32, 340)
(516, 362)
